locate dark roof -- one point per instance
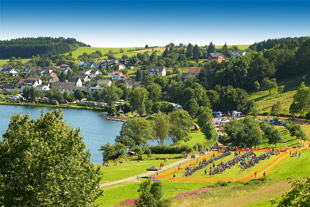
(73, 79)
(216, 54)
(8, 85)
(81, 76)
(66, 86)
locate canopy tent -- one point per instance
(153, 169)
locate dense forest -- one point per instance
(28, 47)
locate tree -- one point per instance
(78, 94)
(298, 195)
(180, 123)
(192, 106)
(301, 102)
(211, 48)
(244, 132)
(271, 133)
(269, 84)
(139, 75)
(205, 117)
(256, 85)
(276, 108)
(138, 99)
(62, 77)
(111, 94)
(32, 94)
(138, 130)
(68, 97)
(189, 51)
(121, 50)
(44, 163)
(114, 151)
(150, 194)
(161, 126)
(154, 92)
(196, 52)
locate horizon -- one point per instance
(136, 23)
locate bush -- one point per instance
(165, 149)
(308, 116)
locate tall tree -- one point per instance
(42, 162)
(138, 99)
(139, 75)
(301, 102)
(111, 94)
(211, 48)
(196, 52)
(189, 51)
(180, 123)
(161, 126)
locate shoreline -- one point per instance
(64, 106)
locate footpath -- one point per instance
(147, 174)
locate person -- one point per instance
(264, 173)
(255, 173)
(206, 171)
(174, 175)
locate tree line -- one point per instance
(28, 47)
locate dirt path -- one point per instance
(146, 174)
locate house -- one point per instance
(119, 66)
(237, 54)
(157, 70)
(66, 86)
(54, 79)
(9, 70)
(43, 88)
(29, 82)
(192, 73)
(76, 81)
(102, 82)
(81, 64)
(219, 57)
(129, 83)
(87, 71)
(66, 70)
(32, 71)
(8, 86)
(84, 78)
(64, 66)
(118, 75)
(27, 65)
(92, 89)
(89, 64)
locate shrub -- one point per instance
(165, 149)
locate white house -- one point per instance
(29, 82)
(118, 75)
(237, 54)
(76, 81)
(43, 88)
(157, 70)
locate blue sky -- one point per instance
(126, 23)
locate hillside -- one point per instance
(264, 101)
(28, 47)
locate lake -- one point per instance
(95, 129)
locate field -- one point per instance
(132, 168)
(5, 61)
(117, 54)
(252, 193)
(241, 47)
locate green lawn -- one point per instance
(241, 47)
(132, 168)
(117, 54)
(5, 61)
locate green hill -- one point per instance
(264, 101)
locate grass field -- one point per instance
(117, 54)
(5, 61)
(132, 168)
(264, 101)
(241, 47)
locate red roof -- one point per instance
(117, 73)
(194, 70)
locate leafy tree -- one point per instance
(111, 94)
(303, 56)
(276, 108)
(54, 94)
(244, 132)
(114, 151)
(189, 51)
(139, 75)
(125, 91)
(192, 106)
(180, 123)
(44, 163)
(298, 196)
(78, 94)
(196, 52)
(269, 84)
(271, 133)
(256, 85)
(150, 194)
(121, 50)
(301, 102)
(138, 98)
(138, 130)
(211, 48)
(205, 117)
(32, 94)
(161, 126)
(68, 97)
(62, 77)
(154, 92)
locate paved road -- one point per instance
(133, 178)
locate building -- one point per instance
(219, 57)
(157, 70)
(66, 86)
(76, 81)
(118, 75)
(237, 54)
(192, 73)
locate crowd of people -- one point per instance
(253, 159)
(204, 163)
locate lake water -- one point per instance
(95, 129)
